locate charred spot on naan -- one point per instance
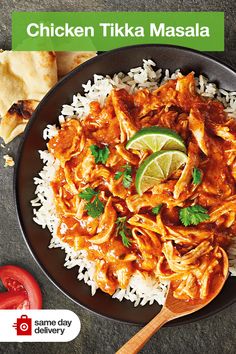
(16, 119)
(23, 109)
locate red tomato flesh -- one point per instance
(23, 290)
(13, 300)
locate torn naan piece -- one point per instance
(67, 61)
(16, 119)
(25, 76)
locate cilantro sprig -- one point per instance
(88, 194)
(94, 207)
(100, 155)
(123, 230)
(127, 175)
(193, 215)
(156, 210)
(197, 176)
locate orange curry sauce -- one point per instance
(159, 245)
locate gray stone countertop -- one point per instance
(214, 335)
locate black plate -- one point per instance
(29, 164)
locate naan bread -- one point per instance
(67, 61)
(25, 76)
(16, 119)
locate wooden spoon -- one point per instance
(172, 309)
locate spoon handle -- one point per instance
(136, 343)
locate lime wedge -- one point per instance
(157, 167)
(156, 139)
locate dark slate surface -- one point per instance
(213, 335)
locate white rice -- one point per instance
(141, 290)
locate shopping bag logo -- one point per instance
(23, 326)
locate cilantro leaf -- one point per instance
(123, 230)
(125, 239)
(87, 194)
(118, 175)
(193, 215)
(127, 178)
(156, 210)
(94, 208)
(100, 155)
(197, 176)
(127, 175)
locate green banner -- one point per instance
(101, 31)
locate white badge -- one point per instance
(38, 325)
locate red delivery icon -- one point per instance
(23, 326)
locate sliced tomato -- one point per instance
(14, 300)
(22, 285)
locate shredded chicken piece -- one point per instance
(127, 127)
(186, 176)
(197, 127)
(106, 224)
